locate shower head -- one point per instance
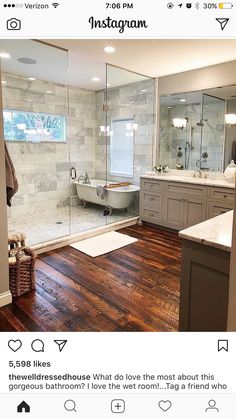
(201, 122)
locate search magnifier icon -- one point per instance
(70, 406)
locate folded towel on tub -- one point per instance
(101, 191)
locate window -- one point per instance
(122, 147)
(32, 126)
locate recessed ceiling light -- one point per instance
(4, 55)
(95, 79)
(169, 107)
(109, 49)
(25, 60)
(143, 90)
(31, 78)
(49, 91)
(182, 100)
(4, 82)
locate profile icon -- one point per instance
(212, 406)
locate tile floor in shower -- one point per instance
(44, 226)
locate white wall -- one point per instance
(203, 78)
(5, 296)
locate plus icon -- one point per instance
(118, 406)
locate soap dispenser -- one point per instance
(230, 171)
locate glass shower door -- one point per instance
(35, 108)
(130, 133)
(213, 133)
(87, 153)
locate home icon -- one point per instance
(23, 408)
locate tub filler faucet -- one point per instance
(85, 179)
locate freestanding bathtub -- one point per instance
(118, 198)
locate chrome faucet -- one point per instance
(201, 174)
(85, 179)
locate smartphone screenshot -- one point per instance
(117, 209)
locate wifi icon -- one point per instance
(55, 5)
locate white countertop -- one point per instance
(216, 232)
(188, 179)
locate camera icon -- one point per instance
(13, 24)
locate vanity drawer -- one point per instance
(150, 200)
(151, 185)
(152, 216)
(218, 208)
(185, 190)
(222, 195)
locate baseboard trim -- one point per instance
(65, 241)
(5, 298)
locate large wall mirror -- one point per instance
(198, 129)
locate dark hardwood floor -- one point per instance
(135, 288)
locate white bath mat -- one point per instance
(104, 243)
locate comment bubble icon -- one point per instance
(37, 345)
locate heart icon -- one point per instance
(15, 345)
(165, 405)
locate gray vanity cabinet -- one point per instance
(184, 205)
(179, 205)
(195, 211)
(173, 211)
(220, 200)
(151, 201)
(172, 204)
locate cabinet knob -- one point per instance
(225, 196)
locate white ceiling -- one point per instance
(153, 58)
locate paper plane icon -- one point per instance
(61, 344)
(223, 22)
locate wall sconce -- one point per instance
(131, 127)
(104, 130)
(230, 120)
(180, 123)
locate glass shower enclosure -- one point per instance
(34, 79)
(78, 153)
(192, 131)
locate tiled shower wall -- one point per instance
(43, 169)
(131, 100)
(212, 134)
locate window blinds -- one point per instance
(122, 147)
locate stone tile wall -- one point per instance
(133, 100)
(43, 168)
(209, 138)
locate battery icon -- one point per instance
(225, 5)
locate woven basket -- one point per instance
(21, 266)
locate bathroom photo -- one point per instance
(117, 184)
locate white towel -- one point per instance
(101, 191)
